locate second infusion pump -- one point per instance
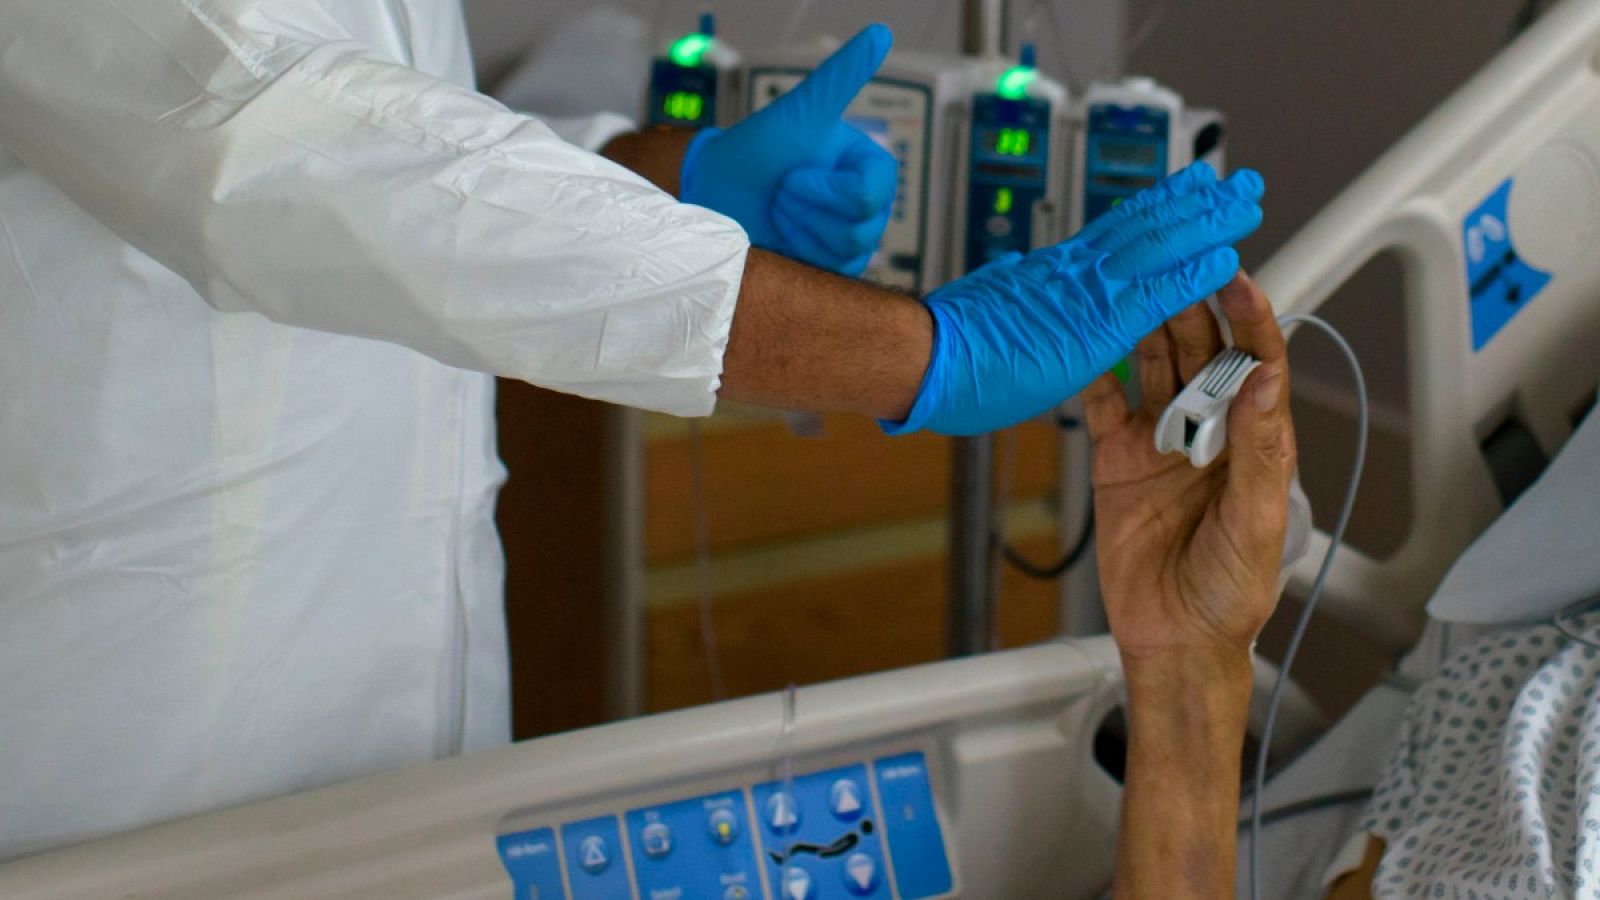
(1133, 134)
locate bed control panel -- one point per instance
(866, 829)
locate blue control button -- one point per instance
(783, 814)
(911, 826)
(534, 864)
(593, 855)
(846, 800)
(696, 848)
(860, 874)
(723, 825)
(657, 840)
(797, 884)
(590, 862)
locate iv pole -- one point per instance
(970, 618)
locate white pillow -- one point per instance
(1542, 555)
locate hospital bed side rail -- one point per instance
(1537, 98)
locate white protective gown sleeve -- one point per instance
(282, 166)
(247, 538)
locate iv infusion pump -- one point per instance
(995, 156)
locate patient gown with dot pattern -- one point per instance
(1493, 789)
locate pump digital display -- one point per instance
(1111, 153)
(683, 106)
(1008, 174)
(1015, 142)
(1127, 183)
(682, 97)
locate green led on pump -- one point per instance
(689, 50)
(1015, 82)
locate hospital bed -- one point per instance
(1492, 207)
(977, 778)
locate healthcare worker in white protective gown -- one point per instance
(258, 262)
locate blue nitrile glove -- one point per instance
(1024, 333)
(797, 178)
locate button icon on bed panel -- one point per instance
(736, 892)
(594, 869)
(723, 825)
(783, 814)
(845, 800)
(594, 855)
(860, 874)
(797, 884)
(657, 840)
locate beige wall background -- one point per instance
(1082, 32)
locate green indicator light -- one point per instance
(1014, 83)
(1004, 200)
(684, 106)
(690, 49)
(1123, 371)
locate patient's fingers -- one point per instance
(1252, 320)
(1195, 339)
(1105, 407)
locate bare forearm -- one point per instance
(1187, 719)
(657, 155)
(804, 339)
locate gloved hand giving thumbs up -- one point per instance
(797, 178)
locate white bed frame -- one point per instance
(1534, 115)
(1008, 737)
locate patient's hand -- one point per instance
(1189, 558)
(1189, 566)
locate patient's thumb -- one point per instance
(1260, 439)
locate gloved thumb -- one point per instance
(821, 99)
(860, 185)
